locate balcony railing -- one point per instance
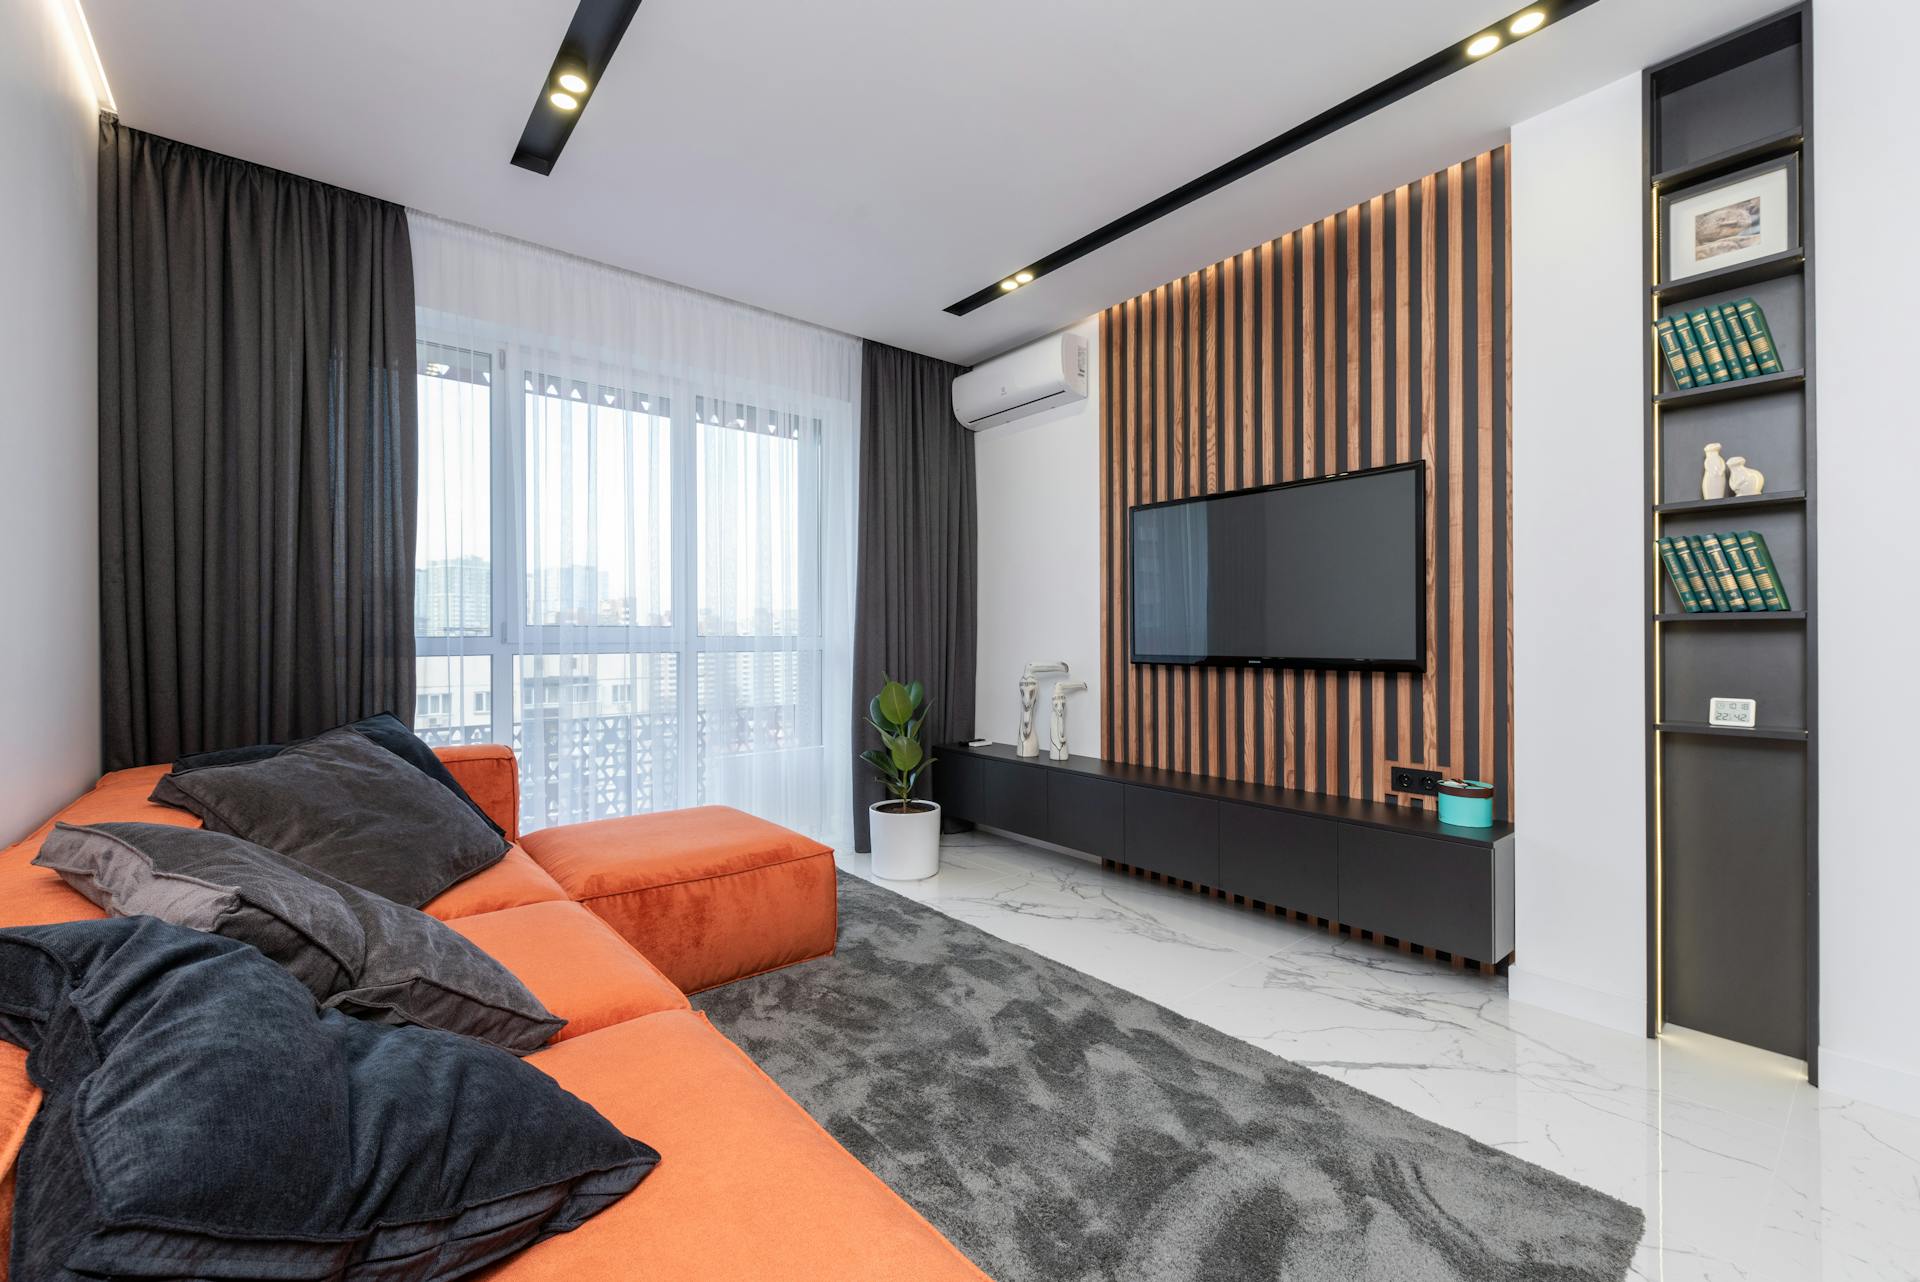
(599, 767)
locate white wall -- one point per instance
(1038, 483)
(1865, 99)
(49, 545)
(1578, 681)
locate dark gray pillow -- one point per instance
(354, 951)
(202, 1120)
(348, 807)
(384, 729)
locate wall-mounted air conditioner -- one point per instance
(1024, 381)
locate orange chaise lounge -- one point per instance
(611, 924)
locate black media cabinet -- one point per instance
(1394, 871)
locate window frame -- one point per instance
(513, 636)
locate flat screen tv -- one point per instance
(1324, 573)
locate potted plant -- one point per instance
(905, 832)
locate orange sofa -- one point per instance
(611, 924)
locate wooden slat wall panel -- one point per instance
(1371, 337)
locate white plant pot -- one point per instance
(906, 846)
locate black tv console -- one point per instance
(1396, 871)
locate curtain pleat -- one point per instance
(915, 617)
(257, 452)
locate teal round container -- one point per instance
(1466, 803)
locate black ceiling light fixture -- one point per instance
(1463, 53)
(591, 38)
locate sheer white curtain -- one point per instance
(637, 522)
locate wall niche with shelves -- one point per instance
(1732, 864)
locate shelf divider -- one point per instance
(1689, 507)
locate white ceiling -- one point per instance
(863, 163)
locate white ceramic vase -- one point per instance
(1743, 480)
(1713, 475)
(906, 843)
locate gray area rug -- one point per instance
(1059, 1129)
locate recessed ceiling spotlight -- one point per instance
(1024, 278)
(573, 82)
(1531, 20)
(564, 101)
(1481, 46)
(1009, 283)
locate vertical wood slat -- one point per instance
(1269, 680)
(1457, 479)
(1376, 335)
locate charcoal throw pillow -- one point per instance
(354, 951)
(350, 808)
(201, 1119)
(384, 729)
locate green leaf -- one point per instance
(895, 703)
(879, 718)
(877, 759)
(917, 693)
(907, 754)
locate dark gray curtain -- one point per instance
(915, 613)
(257, 452)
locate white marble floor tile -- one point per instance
(1743, 1170)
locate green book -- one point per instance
(1696, 579)
(1765, 577)
(1709, 347)
(1717, 323)
(1742, 572)
(1670, 349)
(1722, 572)
(1690, 348)
(1677, 572)
(1734, 342)
(1759, 337)
(1707, 577)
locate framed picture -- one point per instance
(1744, 216)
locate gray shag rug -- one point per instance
(1059, 1129)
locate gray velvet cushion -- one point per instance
(354, 951)
(202, 1120)
(350, 808)
(384, 729)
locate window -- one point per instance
(453, 556)
(585, 546)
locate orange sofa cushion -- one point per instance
(748, 1185)
(708, 894)
(514, 881)
(574, 963)
(491, 776)
(19, 1102)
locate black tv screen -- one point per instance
(1325, 573)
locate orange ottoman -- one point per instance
(709, 895)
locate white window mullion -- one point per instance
(509, 577)
(684, 503)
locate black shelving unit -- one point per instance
(1732, 859)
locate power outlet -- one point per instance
(1413, 779)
